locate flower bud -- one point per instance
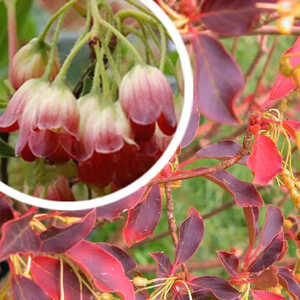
(146, 98)
(30, 62)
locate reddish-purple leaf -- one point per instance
(218, 286)
(288, 281)
(230, 262)
(251, 217)
(59, 240)
(202, 294)
(219, 80)
(265, 160)
(6, 210)
(17, 236)
(191, 232)
(46, 274)
(233, 17)
(221, 150)
(143, 219)
(263, 295)
(244, 193)
(105, 270)
(127, 262)
(269, 255)
(284, 85)
(273, 225)
(163, 263)
(112, 211)
(25, 289)
(267, 279)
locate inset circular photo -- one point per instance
(96, 104)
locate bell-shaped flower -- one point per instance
(47, 117)
(146, 97)
(31, 61)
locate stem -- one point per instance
(142, 8)
(53, 18)
(12, 32)
(62, 292)
(51, 62)
(4, 160)
(67, 63)
(170, 213)
(163, 40)
(140, 16)
(113, 65)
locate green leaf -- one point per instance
(6, 150)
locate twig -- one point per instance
(218, 210)
(235, 45)
(4, 160)
(170, 213)
(271, 29)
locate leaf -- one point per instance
(143, 219)
(107, 276)
(221, 150)
(244, 193)
(263, 295)
(6, 150)
(25, 289)
(269, 255)
(267, 279)
(114, 210)
(218, 286)
(264, 160)
(288, 281)
(17, 236)
(230, 262)
(163, 263)
(284, 85)
(219, 80)
(6, 210)
(229, 17)
(251, 217)
(191, 232)
(127, 262)
(273, 225)
(59, 240)
(46, 274)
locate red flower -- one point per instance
(47, 117)
(146, 98)
(30, 62)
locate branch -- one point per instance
(271, 29)
(170, 213)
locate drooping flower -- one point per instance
(47, 118)
(30, 62)
(104, 132)
(146, 98)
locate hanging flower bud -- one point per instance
(104, 132)
(58, 190)
(31, 61)
(146, 98)
(47, 118)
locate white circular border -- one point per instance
(163, 160)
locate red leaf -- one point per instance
(119, 254)
(284, 85)
(218, 286)
(219, 80)
(104, 269)
(291, 127)
(221, 150)
(6, 210)
(244, 193)
(265, 160)
(164, 266)
(267, 279)
(114, 210)
(17, 236)
(25, 289)
(233, 17)
(59, 240)
(143, 219)
(251, 217)
(269, 255)
(263, 295)
(191, 232)
(230, 262)
(273, 225)
(46, 273)
(288, 281)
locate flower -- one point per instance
(30, 62)
(47, 117)
(146, 98)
